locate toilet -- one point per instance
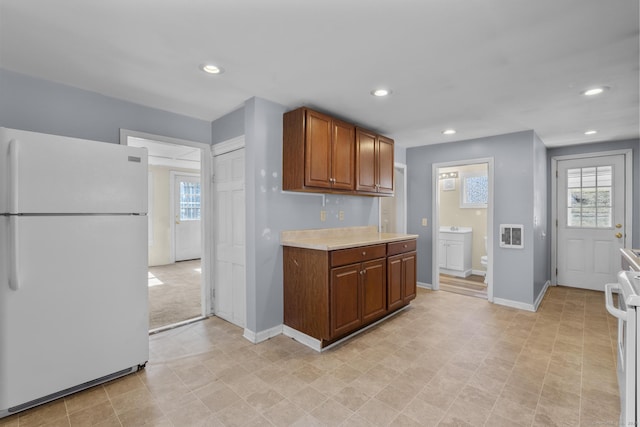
(484, 259)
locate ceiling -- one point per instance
(483, 67)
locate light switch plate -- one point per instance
(512, 236)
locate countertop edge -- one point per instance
(358, 242)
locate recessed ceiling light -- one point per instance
(211, 69)
(381, 92)
(594, 91)
(448, 131)
(591, 132)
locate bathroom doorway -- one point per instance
(461, 228)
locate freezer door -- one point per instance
(80, 311)
(53, 174)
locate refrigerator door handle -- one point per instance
(14, 261)
(14, 152)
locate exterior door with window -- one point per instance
(187, 235)
(591, 209)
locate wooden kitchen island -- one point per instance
(338, 281)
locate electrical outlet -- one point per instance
(323, 216)
(424, 222)
(341, 215)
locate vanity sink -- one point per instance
(455, 229)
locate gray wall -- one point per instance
(269, 211)
(229, 126)
(513, 204)
(42, 106)
(633, 144)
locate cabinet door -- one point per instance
(374, 290)
(317, 150)
(385, 165)
(365, 161)
(442, 254)
(343, 156)
(394, 282)
(455, 255)
(345, 299)
(409, 281)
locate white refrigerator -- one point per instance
(73, 265)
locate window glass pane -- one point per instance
(573, 178)
(189, 201)
(604, 197)
(604, 176)
(476, 189)
(604, 217)
(588, 177)
(588, 217)
(573, 217)
(575, 198)
(588, 197)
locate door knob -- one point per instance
(618, 235)
(618, 225)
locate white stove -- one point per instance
(628, 314)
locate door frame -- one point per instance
(402, 166)
(205, 205)
(219, 149)
(172, 210)
(628, 199)
(435, 214)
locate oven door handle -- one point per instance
(608, 295)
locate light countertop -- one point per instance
(329, 239)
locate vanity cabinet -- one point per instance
(323, 154)
(374, 162)
(330, 294)
(454, 254)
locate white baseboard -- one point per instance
(302, 338)
(425, 285)
(316, 345)
(538, 300)
(514, 304)
(257, 337)
(479, 272)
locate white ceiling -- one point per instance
(483, 67)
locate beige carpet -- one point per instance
(174, 293)
(473, 285)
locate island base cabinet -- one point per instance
(331, 294)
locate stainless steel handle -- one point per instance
(608, 296)
(14, 250)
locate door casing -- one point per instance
(628, 196)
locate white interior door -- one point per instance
(186, 200)
(591, 220)
(228, 187)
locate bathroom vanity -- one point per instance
(454, 256)
(339, 281)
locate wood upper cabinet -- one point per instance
(323, 154)
(318, 152)
(374, 162)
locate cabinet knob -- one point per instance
(405, 246)
(363, 253)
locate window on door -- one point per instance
(189, 201)
(589, 203)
